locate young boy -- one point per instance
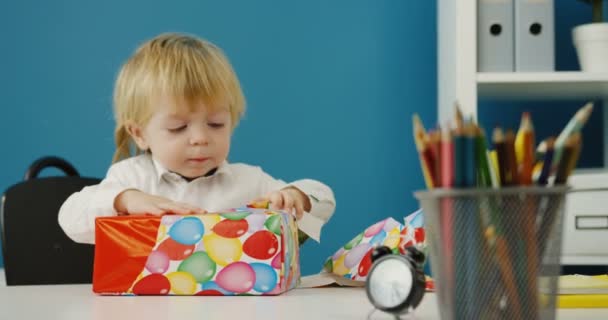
(177, 101)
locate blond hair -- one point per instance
(182, 67)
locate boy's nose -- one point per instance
(199, 137)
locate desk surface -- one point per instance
(68, 302)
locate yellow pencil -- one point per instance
(425, 153)
(524, 150)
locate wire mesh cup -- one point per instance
(495, 253)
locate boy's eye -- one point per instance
(177, 129)
(215, 125)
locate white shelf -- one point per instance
(542, 85)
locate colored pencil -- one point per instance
(524, 149)
(511, 175)
(484, 176)
(570, 156)
(427, 158)
(447, 159)
(547, 162)
(575, 124)
(498, 139)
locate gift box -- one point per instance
(353, 260)
(246, 251)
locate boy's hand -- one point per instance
(133, 202)
(288, 199)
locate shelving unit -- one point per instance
(458, 79)
(543, 85)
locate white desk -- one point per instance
(67, 302)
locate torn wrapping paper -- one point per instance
(350, 264)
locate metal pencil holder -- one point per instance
(495, 253)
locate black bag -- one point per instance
(36, 250)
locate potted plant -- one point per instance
(591, 40)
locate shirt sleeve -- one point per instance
(321, 197)
(77, 214)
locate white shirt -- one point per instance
(231, 186)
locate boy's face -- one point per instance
(189, 143)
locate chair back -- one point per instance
(36, 250)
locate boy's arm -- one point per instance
(321, 198)
(77, 214)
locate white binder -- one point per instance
(534, 35)
(495, 48)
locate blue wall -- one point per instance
(331, 87)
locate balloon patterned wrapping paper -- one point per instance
(353, 260)
(245, 251)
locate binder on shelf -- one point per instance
(534, 35)
(495, 48)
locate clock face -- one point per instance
(390, 283)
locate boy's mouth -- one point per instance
(198, 160)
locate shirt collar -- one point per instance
(164, 173)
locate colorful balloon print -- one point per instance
(162, 232)
(212, 285)
(391, 224)
(200, 246)
(277, 261)
(223, 250)
(169, 219)
(158, 262)
(210, 220)
(416, 219)
(353, 260)
(237, 277)
(235, 215)
(199, 265)
(378, 238)
(263, 204)
(265, 277)
(355, 241)
(209, 293)
(187, 231)
(365, 264)
(339, 267)
(231, 228)
(261, 245)
(374, 229)
(153, 284)
(276, 291)
(393, 238)
(356, 254)
(182, 283)
(338, 253)
(328, 266)
(175, 250)
(419, 235)
(273, 224)
(255, 221)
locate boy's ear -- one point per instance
(137, 134)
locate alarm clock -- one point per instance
(395, 283)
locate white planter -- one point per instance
(591, 42)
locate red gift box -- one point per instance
(243, 251)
